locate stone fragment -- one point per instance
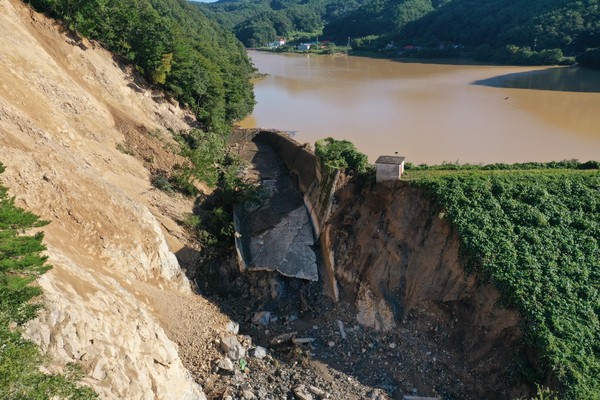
(225, 364)
(260, 352)
(248, 395)
(232, 347)
(233, 327)
(283, 338)
(301, 393)
(302, 340)
(262, 318)
(228, 343)
(318, 392)
(98, 372)
(342, 331)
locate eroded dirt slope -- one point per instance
(77, 137)
(397, 260)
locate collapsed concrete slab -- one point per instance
(276, 234)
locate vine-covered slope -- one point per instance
(536, 235)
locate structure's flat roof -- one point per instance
(390, 160)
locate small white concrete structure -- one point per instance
(389, 168)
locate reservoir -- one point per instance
(431, 113)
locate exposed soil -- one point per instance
(79, 137)
(428, 351)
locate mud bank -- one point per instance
(397, 258)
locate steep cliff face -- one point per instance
(70, 120)
(396, 258)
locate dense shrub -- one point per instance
(590, 58)
(342, 154)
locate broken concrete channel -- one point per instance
(282, 232)
(275, 235)
(347, 291)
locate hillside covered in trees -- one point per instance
(174, 46)
(519, 31)
(257, 22)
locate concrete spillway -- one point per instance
(276, 234)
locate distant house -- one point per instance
(389, 168)
(278, 43)
(304, 46)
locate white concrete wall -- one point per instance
(387, 172)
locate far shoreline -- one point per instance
(459, 61)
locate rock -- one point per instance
(301, 393)
(227, 397)
(392, 345)
(232, 347)
(262, 318)
(302, 340)
(233, 327)
(248, 395)
(341, 327)
(225, 364)
(228, 343)
(318, 392)
(283, 338)
(98, 373)
(260, 352)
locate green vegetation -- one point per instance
(534, 233)
(210, 162)
(258, 22)
(518, 32)
(21, 262)
(174, 46)
(590, 58)
(343, 155)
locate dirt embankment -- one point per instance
(427, 326)
(78, 136)
(398, 261)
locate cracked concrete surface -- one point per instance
(277, 234)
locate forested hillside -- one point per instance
(518, 32)
(174, 45)
(257, 22)
(571, 26)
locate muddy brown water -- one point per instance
(432, 112)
